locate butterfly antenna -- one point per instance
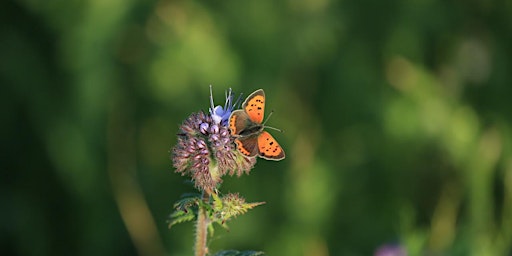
(269, 115)
(270, 127)
(273, 128)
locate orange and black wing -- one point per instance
(268, 147)
(254, 106)
(248, 146)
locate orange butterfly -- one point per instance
(246, 125)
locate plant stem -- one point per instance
(202, 229)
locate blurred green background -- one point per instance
(397, 119)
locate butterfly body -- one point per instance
(247, 127)
(252, 130)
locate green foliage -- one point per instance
(397, 120)
(185, 209)
(220, 209)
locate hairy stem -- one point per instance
(202, 229)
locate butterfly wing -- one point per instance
(238, 121)
(254, 106)
(268, 147)
(248, 146)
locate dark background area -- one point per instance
(397, 121)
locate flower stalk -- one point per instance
(202, 228)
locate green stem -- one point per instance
(202, 229)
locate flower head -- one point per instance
(206, 150)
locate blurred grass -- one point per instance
(396, 115)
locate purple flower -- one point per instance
(206, 151)
(219, 114)
(390, 250)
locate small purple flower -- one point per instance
(206, 151)
(219, 114)
(390, 250)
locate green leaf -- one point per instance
(217, 202)
(238, 253)
(185, 209)
(180, 216)
(187, 202)
(211, 229)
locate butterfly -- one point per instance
(247, 126)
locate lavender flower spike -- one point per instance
(205, 150)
